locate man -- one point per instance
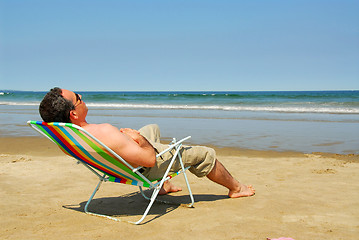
(61, 105)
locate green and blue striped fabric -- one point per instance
(78, 144)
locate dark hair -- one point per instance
(55, 108)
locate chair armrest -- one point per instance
(171, 146)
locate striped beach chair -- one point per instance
(105, 163)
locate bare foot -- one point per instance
(168, 188)
(244, 191)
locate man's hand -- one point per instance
(134, 134)
(143, 144)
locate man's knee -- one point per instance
(153, 126)
(151, 132)
(201, 158)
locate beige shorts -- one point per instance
(200, 159)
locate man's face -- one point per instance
(80, 106)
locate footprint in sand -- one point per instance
(21, 159)
(325, 171)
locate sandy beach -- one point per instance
(303, 196)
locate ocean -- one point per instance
(304, 121)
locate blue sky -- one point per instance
(179, 45)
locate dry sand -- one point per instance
(302, 196)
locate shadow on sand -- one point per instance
(133, 204)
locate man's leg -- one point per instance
(220, 175)
(152, 133)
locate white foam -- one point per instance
(284, 109)
(233, 108)
(20, 103)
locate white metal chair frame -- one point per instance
(104, 178)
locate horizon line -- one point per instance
(327, 90)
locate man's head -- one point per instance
(60, 105)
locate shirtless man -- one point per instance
(61, 105)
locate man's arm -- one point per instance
(127, 143)
(136, 136)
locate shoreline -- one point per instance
(38, 146)
(280, 132)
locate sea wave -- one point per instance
(331, 110)
(20, 103)
(251, 108)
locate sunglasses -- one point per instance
(78, 100)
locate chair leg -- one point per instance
(187, 183)
(143, 194)
(92, 196)
(189, 190)
(152, 200)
